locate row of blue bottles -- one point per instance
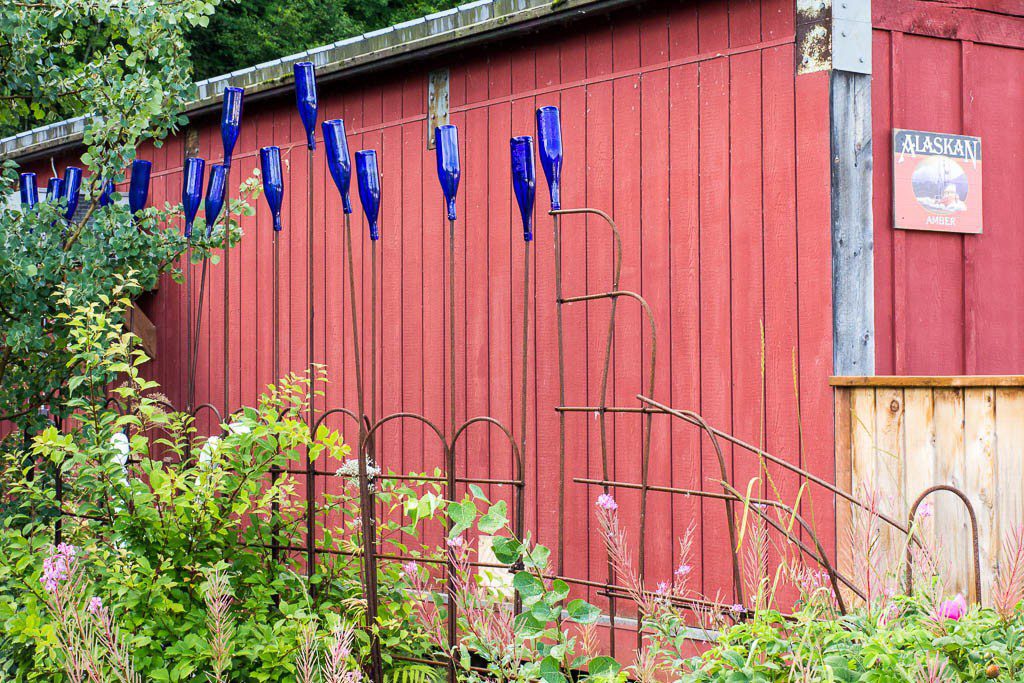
(69, 189)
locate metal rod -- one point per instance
(194, 358)
(695, 419)
(275, 470)
(367, 517)
(227, 301)
(450, 453)
(557, 240)
(310, 465)
(908, 575)
(188, 327)
(525, 355)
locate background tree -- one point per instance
(249, 32)
(122, 62)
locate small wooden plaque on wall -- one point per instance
(936, 181)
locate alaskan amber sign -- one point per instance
(936, 181)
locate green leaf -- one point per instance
(506, 550)
(528, 585)
(604, 667)
(495, 519)
(582, 612)
(462, 516)
(551, 671)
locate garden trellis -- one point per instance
(648, 405)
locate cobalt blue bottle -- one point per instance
(524, 180)
(273, 182)
(192, 190)
(369, 188)
(337, 159)
(446, 144)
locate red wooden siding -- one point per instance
(949, 304)
(686, 122)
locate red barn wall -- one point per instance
(949, 304)
(685, 121)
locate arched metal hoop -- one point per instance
(908, 574)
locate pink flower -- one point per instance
(662, 588)
(606, 502)
(409, 568)
(95, 605)
(683, 570)
(953, 609)
(455, 542)
(55, 567)
(926, 510)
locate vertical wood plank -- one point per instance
(919, 453)
(716, 350)
(950, 515)
(980, 462)
(844, 478)
(1010, 459)
(889, 465)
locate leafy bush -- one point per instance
(165, 567)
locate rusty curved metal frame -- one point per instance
(976, 556)
(693, 418)
(603, 409)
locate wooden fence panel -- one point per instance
(897, 436)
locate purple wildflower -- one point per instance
(662, 588)
(455, 542)
(606, 502)
(683, 570)
(95, 605)
(409, 568)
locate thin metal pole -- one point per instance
(526, 346)
(373, 344)
(275, 470)
(188, 325)
(194, 358)
(309, 280)
(561, 394)
(355, 326)
(310, 465)
(227, 302)
(450, 464)
(369, 530)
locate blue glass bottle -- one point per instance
(446, 144)
(54, 190)
(138, 189)
(107, 194)
(305, 98)
(524, 180)
(215, 195)
(549, 139)
(337, 159)
(369, 188)
(230, 121)
(29, 190)
(71, 190)
(273, 182)
(192, 190)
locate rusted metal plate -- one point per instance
(437, 102)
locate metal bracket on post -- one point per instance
(833, 34)
(437, 102)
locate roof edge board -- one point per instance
(473, 23)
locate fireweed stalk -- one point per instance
(218, 621)
(663, 619)
(89, 641)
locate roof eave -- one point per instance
(472, 24)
